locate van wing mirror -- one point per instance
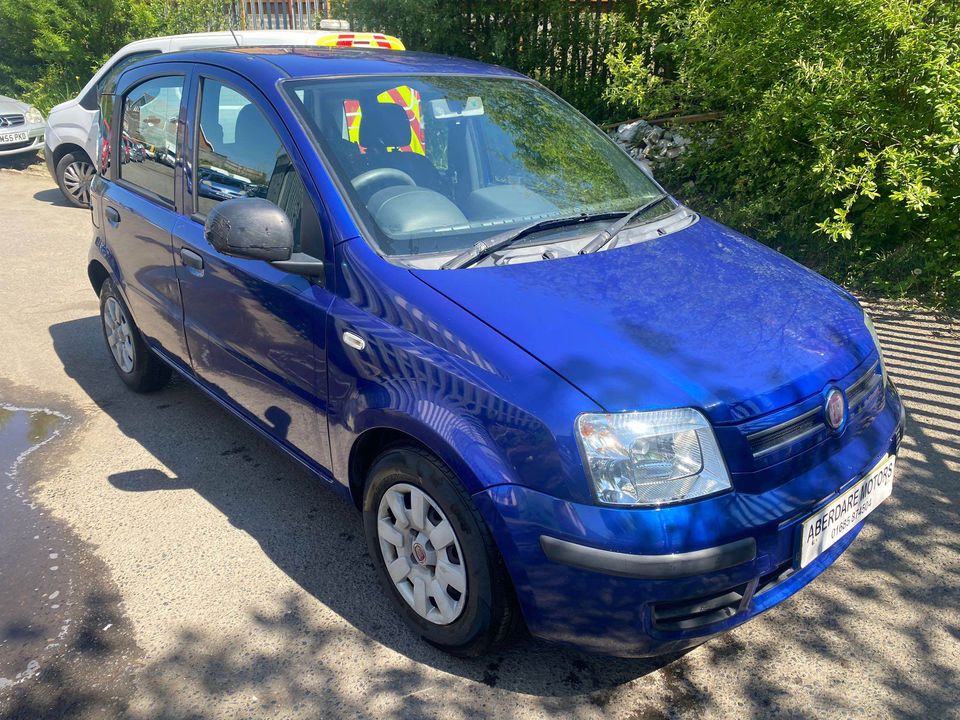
(251, 228)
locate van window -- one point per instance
(89, 100)
(147, 152)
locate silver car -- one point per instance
(21, 127)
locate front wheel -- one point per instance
(75, 172)
(434, 555)
(138, 366)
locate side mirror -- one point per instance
(251, 228)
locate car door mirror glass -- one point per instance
(251, 228)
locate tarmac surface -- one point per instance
(205, 575)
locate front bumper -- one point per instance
(33, 143)
(639, 582)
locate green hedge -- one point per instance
(561, 43)
(840, 142)
(50, 48)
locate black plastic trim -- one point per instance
(649, 567)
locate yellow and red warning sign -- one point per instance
(361, 39)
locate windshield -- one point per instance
(438, 163)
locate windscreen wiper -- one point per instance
(482, 249)
(607, 234)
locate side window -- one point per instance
(147, 151)
(239, 155)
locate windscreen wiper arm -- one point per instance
(607, 234)
(482, 249)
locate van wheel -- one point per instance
(75, 172)
(138, 366)
(434, 554)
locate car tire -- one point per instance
(75, 171)
(136, 364)
(485, 613)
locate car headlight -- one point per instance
(33, 116)
(651, 458)
(876, 341)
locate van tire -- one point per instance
(75, 172)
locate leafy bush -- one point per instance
(840, 141)
(52, 47)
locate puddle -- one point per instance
(37, 573)
(66, 647)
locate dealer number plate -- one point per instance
(12, 137)
(833, 521)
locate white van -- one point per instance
(71, 133)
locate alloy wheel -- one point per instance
(119, 334)
(422, 553)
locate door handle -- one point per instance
(191, 259)
(113, 215)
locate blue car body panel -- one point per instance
(471, 396)
(257, 337)
(489, 368)
(702, 317)
(144, 270)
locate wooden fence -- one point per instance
(281, 14)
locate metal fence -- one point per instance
(281, 14)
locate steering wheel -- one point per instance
(381, 175)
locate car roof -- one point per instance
(304, 61)
(227, 38)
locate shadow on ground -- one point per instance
(53, 196)
(24, 161)
(91, 677)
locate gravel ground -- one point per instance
(233, 585)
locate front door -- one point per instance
(256, 334)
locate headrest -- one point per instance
(384, 125)
(251, 125)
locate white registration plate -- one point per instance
(833, 521)
(12, 137)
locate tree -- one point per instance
(52, 47)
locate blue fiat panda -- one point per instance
(558, 396)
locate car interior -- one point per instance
(412, 169)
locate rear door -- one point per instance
(256, 334)
(139, 209)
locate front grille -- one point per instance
(862, 388)
(698, 612)
(11, 120)
(710, 609)
(794, 430)
(16, 145)
(811, 423)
